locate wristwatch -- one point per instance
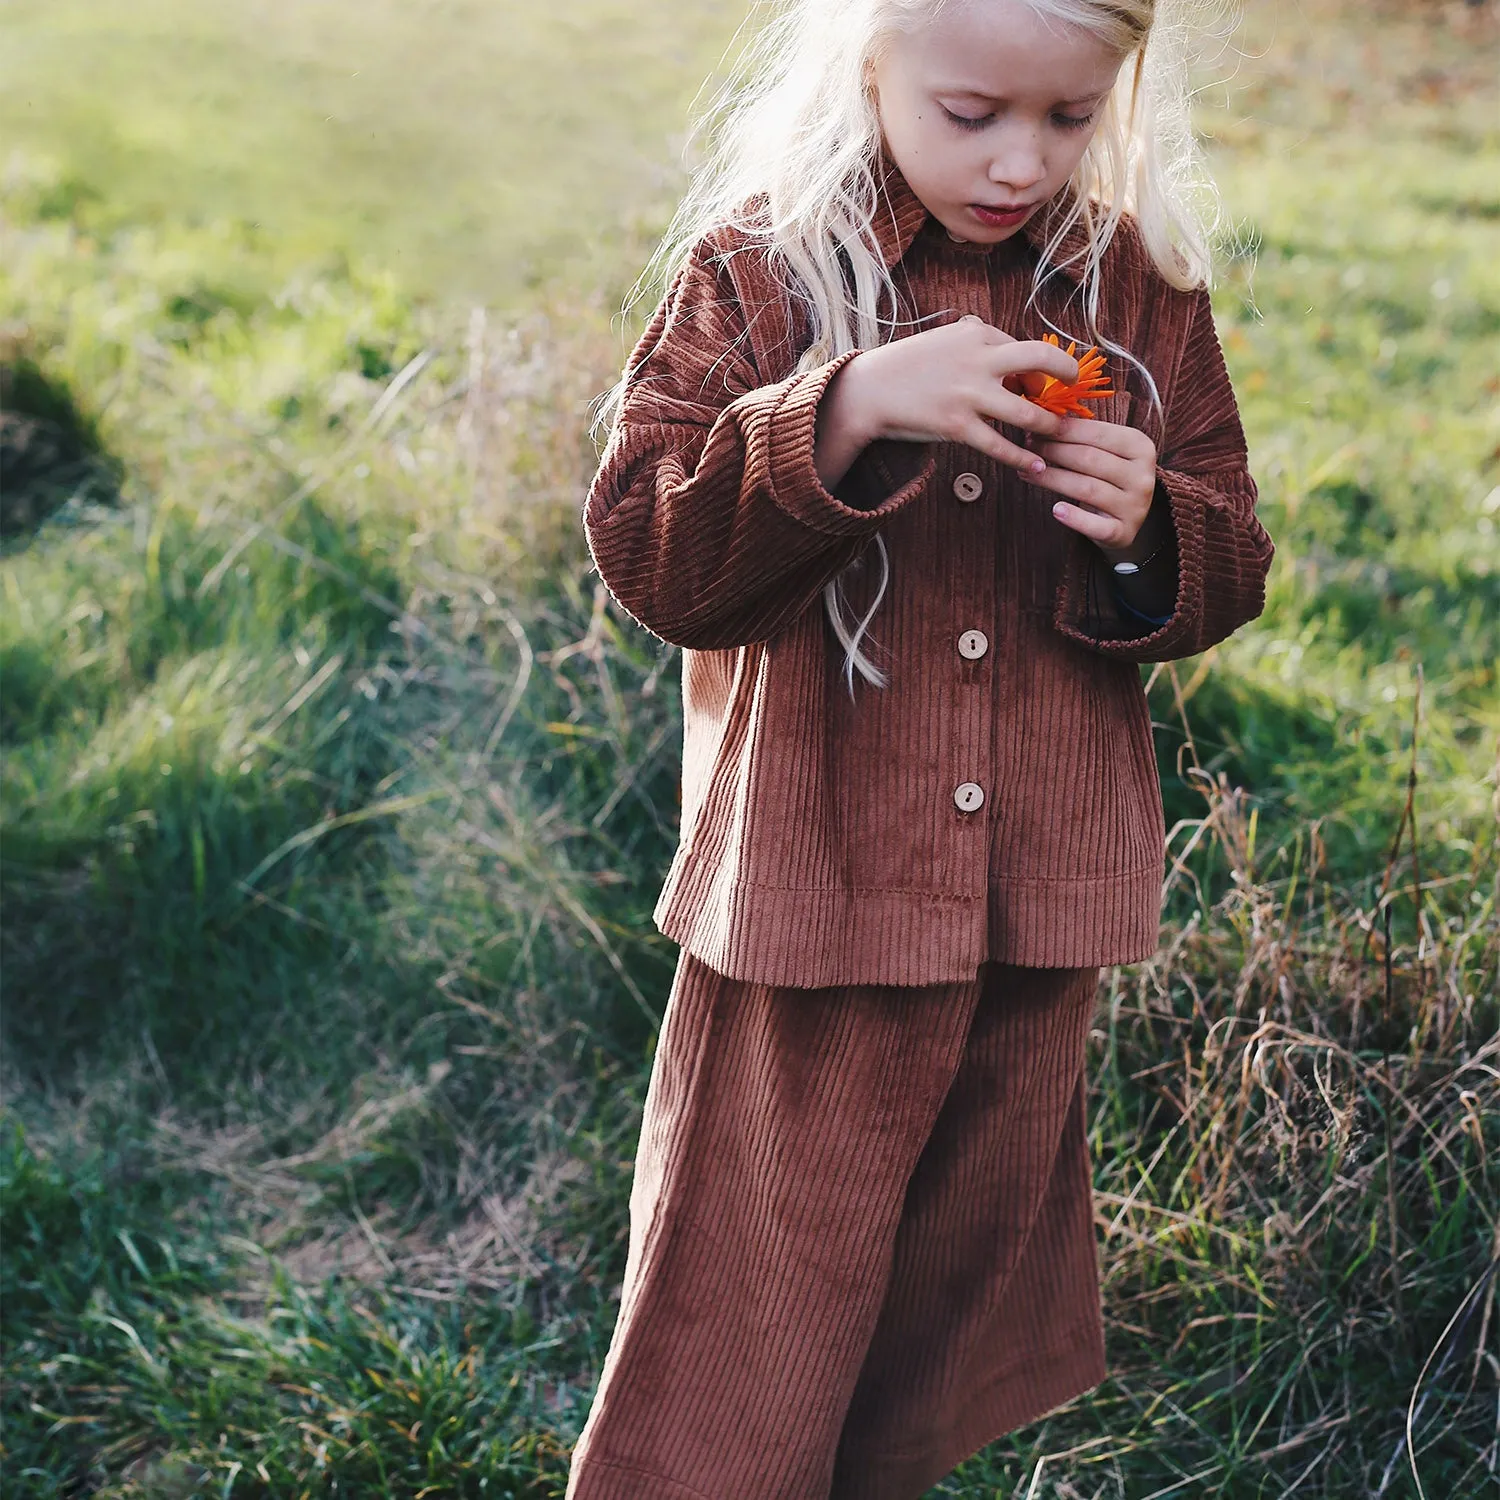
(1125, 569)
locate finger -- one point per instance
(1021, 355)
(1081, 458)
(1082, 490)
(1104, 530)
(1113, 437)
(1107, 506)
(1002, 405)
(982, 436)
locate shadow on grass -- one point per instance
(163, 742)
(50, 449)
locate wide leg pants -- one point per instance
(861, 1238)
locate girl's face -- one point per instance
(987, 110)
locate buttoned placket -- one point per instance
(973, 601)
(968, 621)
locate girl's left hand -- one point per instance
(1107, 476)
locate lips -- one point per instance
(1000, 215)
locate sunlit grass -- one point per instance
(473, 149)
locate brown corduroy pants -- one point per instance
(861, 1238)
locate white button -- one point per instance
(968, 487)
(968, 795)
(972, 644)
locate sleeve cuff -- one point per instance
(884, 467)
(794, 482)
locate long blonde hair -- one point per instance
(791, 146)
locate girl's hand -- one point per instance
(1107, 476)
(941, 386)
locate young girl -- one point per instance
(861, 1239)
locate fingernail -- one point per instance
(1058, 509)
(1037, 466)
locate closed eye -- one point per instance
(978, 122)
(968, 122)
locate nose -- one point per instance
(1018, 163)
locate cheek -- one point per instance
(1076, 149)
(921, 136)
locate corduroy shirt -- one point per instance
(999, 798)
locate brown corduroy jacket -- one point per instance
(999, 798)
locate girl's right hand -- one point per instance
(941, 386)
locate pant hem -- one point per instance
(633, 1484)
(1017, 1398)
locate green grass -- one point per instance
(1363, 335)
(474, 149)
(336, 797)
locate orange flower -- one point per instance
(1057, 395)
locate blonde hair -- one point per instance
(793, 144)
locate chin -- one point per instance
(983, 234)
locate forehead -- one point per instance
(1004, 49)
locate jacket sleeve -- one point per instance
(707, 520)
(1223, 552)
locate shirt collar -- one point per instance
(900, 215)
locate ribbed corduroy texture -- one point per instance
(861, 1239)
(820, 840)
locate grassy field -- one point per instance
(336, 794)
(477, 149)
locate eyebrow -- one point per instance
(965, 92)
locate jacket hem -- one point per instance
(1074, 923)
(841, 936)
